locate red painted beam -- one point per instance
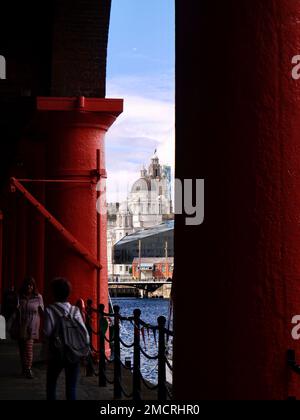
(54, 181)
(113, 106)
(73, 242)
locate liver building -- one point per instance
(148, 204)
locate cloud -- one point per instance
(147, 124)
(156, 86)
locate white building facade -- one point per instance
(148, 204)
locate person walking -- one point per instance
(29, 311)
(9, 307)
(89, 318)
(10, 303)
(54, 314)
(81, 305)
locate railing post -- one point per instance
(136, 357)
(102, 364)
(117, 354)
(162, 391)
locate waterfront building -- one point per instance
(152, 269)
(155, 242)
(149, 204)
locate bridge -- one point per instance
(146, 286)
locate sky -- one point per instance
(141, 70)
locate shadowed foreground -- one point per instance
(15, 387)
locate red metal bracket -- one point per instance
(99, 173)
(95, 173)
(72, 241)
(55, 181)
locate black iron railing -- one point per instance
(292, 363)
(115, 340)
(291, 359)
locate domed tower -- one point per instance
(149, 200)
(144, 173)
(155, 167)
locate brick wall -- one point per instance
(54, 48)
(80, 37)
(25, 41)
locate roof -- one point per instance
(155, 230)
(142, 184)
(169, 260)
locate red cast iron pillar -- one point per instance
(246, 111)
(76, 129)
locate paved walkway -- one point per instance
(15, 387)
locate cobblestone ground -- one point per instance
(13, 386)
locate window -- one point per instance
(121, 269)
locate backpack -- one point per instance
(68, 342)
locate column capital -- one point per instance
(80, 104)
(99, 112)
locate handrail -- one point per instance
(137, 379)
(131, 318)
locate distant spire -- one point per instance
(155, 157)
(143, 171)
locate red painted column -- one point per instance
(36, 246)
(22, 239)
(29, 224)
(245, 111)
(77, 129)
(11, 237)
(36, 222)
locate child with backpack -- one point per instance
(68, 340)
